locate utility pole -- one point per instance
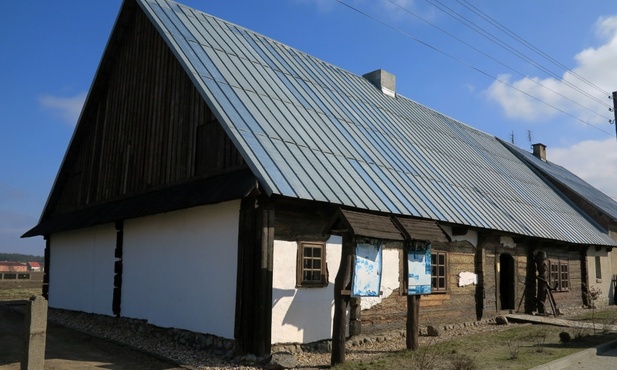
(615, 110)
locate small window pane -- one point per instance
(438, 271)
(311, 265)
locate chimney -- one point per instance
(385, 81)
(539, 150)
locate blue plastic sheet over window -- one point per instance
(419, 270)
(367, 270)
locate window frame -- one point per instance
(559, 274)
(435, 267)
(300, 265)
(598, 263)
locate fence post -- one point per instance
(35, 327)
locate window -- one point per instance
(438, 272)
(559, 277)
(598, 268)
(311, 268)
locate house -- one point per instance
(601, 261)
(10, 266)
(221, 182)
(33, 266)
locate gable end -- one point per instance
(144, 126)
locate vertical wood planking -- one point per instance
(139, 130)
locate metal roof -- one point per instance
(558, 173)
(314, 131)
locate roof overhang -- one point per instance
(385, 227)
(235, 185)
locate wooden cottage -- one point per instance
(221, 182)
(601, 262)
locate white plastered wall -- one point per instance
(470, 236)
(390, 277)
(180, 268)
(301, 315)
(82, 269)
(604, 281)
(304, 315)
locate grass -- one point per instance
(519, 347)
(16, 294)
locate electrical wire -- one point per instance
(411, 37)
(462, 19)
(495, 59)
(458, 60)
(529, 45)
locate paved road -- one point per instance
(602, 361)
(71, 350)
(603, 357)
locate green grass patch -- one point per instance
(519, 347)
(17, 293)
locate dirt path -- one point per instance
(68, 349)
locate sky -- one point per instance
(523, 71)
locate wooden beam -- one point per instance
(413, 322)
(246, 283)
(341, 302)
(264, 314)
(355, 316)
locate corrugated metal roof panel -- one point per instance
(558, 173)
(311, 130)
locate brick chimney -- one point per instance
(384, 81)
(539, 150)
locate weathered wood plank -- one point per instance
(149, 111)
(341, 302)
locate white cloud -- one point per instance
(595, 161)
(593, 64)
(68, 108)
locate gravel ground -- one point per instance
(164, 343)
(135, 335)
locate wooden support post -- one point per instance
(264, 327)
(479, 294)
(413, 322)
(614, 95)
(355, 314)
(341, 302)
(46, 267)
(253, 321)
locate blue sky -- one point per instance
(448, 58)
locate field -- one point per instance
(15, 290)
(16, 294)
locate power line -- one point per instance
(462, 19)
(495, 59)
(529, 45)
(413, 38)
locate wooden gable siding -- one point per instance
(145, 126)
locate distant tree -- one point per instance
(18, 257)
